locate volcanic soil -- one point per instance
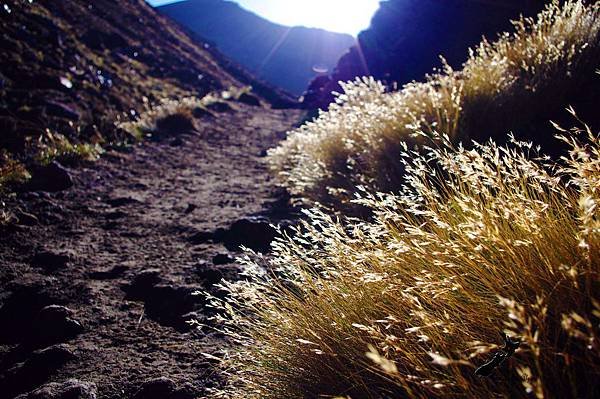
(97, 281)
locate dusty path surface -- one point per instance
(98, 286)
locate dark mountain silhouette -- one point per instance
(406, 38)
(286, 57)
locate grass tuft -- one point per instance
(521, 79)
(11, 171)
(55, 146)
(469, 248)
(167, 117)
(477, 242)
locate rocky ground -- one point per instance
(96, 281)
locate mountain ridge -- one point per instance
(288, 57)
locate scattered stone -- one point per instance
(158, 388)
(200, 113)
(254, 233)
(142, 283)
(176, 142)
(176, 124)
(115, 215)
(110, 225)
(27, 219)
(249, 99)
(190, 208)
(70, 389)
(121, 201)
(61, 110)
(111, 274)
(166, 304)
(100, 39)
(21, 307)
(35, 370)
(187, 391)
(51, 178)
(210, 276)
(202, 237)
(50, 261)
(219, 106)
(222, 259)
(55, 324)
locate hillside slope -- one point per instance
(75, 67)
(285, 57)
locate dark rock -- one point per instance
(158, 388)
(113, 273)
(35, 370)
(166, 304)
(202, 237)
(176, 124)
(70, 389)
(190, 208)
(20, 309)
(61, 111)
(222, 259)
(34, 115)
(210, 276)
(200, 112)
(110, 225)
(187, 391)
(27, 219)
(55, 324)
(254, 233)
(98, 40)
(220, 107)
(51, 178)
(176, 142)
(49, 260)
(121, 201)
(116, 215)
(143, 282)
(249, 99)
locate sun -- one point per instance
(343, 16)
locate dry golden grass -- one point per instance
(54, 146)
(472, 241)
(522, 77)
(11, 171)
(176, 115)
(148, 122)
(409, 303)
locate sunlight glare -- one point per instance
(342, 16)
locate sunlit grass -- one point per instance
(503, 85)
(410, 303)
(149, 122)
(464, 241)
(55, 146)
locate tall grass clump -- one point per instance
(167, 116)
(521, 79)
(477, 242)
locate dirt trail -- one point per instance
(123, 250)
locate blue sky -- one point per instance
(346, 16)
